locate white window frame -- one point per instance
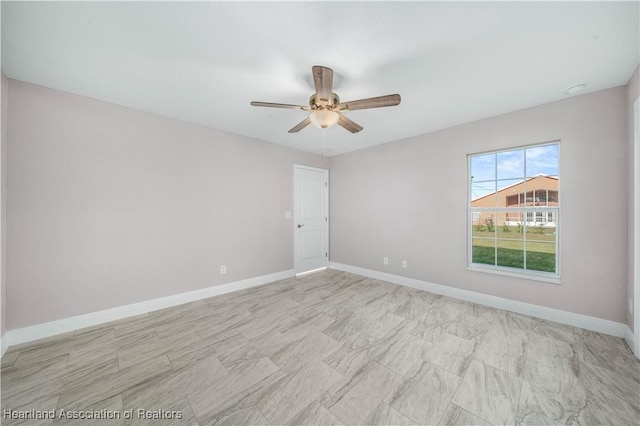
(525, 212)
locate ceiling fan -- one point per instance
(325, 106)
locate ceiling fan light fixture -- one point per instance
(324, 118)
(325, 107)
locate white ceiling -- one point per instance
(203, 62)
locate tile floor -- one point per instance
(329, 348)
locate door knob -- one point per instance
(300, 226)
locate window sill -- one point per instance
(547, 278)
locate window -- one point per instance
(514, 211)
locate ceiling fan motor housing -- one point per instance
(314, 105)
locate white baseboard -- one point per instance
(40, 331)
(577, 320)
(629, 337)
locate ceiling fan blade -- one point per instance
(301, 125)
(323, 80)
(377, 102)
(274, 105)
(349, 124)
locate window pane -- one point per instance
(509, 225)
(542, 160)
(510, 193)
(483, 167)
(484, 224)
(539, 231)
(483, 194)
(483, 251)
(511, 164)
(541, 244)
(510, 253)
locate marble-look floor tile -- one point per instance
(456, 416)
(182, 343)
(266, 324)
(203, 309)
(91, 329)
(274, 304)
(214, 403)
(217, 344)
(9, 358)
(425, 394)
(330, 348)
(366, 388)
(489, 393)
(416, 306)
(354, 353)
(175, 327)
(343, 328)
(385, 415)
(112, 384)
(36, 383)
(609, 391)
(554, 399)
(213, 325)
(237, 350)
(72, 379)
(401, 354)
(140, 350)
(314, 347)
(150, 322)
(236, 393)
(131, 324)
(609, 352)
(547, 355)
(440, 316)
(314, 414)
(53, 349)
(175, 388)
(306, 322)
(554, 330)
(94, 354)
(294, 392)
(381, 326)
(248, 415)
(505, 351)
(474, 323)
(449, 352)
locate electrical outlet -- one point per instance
(385, 260)
(404, 263)
(631, 306)
(223, 269)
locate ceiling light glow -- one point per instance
(324, 118)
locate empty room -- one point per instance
(320, 213)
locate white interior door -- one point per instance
(311, 218)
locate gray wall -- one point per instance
(407, 200)
(109, 206)
(633, 91)
(4, 95)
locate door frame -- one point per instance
(325, 236)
